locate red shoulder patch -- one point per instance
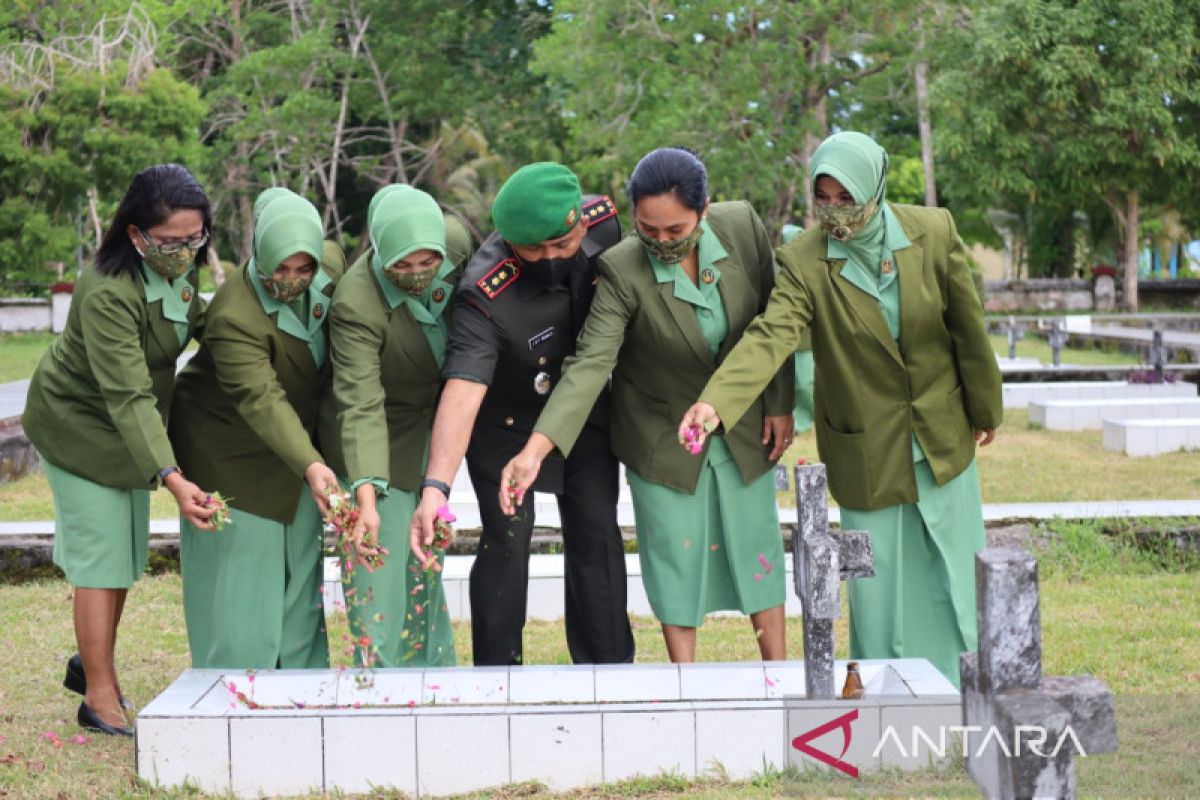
(499, 278)
(599, 210)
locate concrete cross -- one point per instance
(821, 560)
(1003, 690)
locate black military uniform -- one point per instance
(512, 332)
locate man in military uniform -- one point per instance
(522, 300)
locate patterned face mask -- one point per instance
(285, 290)
(842, 222)
(415, 283)
(169, 265)
(671, 251)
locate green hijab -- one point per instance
(859, 164)
(288, 224)
(266, 197)
(403, 221)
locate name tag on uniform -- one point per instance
(539, 338)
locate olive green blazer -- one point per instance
(245, 409)
(651, 343)
(98, 400)
(385, 377)
(939, 382)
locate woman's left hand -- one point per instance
(985, 437)
(777, 434)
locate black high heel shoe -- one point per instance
(76, 680)
(88, 719)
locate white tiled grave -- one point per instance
(1151, 437)
(443, 731)
(1083, 415)
(1020, 395)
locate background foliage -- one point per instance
(1055, 126)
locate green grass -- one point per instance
(20, 353)
(1028, 464)
(1123, 614)
(1034, 347)
(1024, 464)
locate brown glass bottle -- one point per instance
(852, 689)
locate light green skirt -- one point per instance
(921, 602)
(715, 550)
(399, 608)
(252, 591)
(802, 414)
(101, 534)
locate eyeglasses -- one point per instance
(171, 248)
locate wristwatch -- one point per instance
(164, 472)
(441, 486)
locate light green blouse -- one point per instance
(175, 296)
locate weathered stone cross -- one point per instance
(821, 561)
(1004, 693)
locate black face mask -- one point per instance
(548, 272)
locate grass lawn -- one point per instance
(1106, 609)
(20, 353)
(1024, 464)
(1035, 347)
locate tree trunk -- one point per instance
(923, 123)
(820, 116)
(1130, 226)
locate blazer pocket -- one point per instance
(847, 458)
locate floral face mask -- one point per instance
(285, 290)
(671, 251)
(842, 222)
(415, 283)
(171, 259)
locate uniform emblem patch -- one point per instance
(500, 278)
(318, 311)
(571, 218)
(598, 210)
(186, 294)
(439, 295)
(541, 383)
(707, 276)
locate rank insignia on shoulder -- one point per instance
(500, 278)
(598, 210)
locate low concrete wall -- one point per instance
(1043, 294)
(24, 315)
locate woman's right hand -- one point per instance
(320, 480)
(698, 422)
(190, 499)
(521, 471)
(365, 535)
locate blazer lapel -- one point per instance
(866, 309)
(410, 340)
(909, 264)
(685, 319)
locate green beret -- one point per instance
(538, 202)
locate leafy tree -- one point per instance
(1076, 103)
(746, 86)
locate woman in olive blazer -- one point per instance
(670, 305)
(96, 412)
(388, 337)
(909, 384)
(244, 421)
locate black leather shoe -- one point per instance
(88, 719)
(76, 680)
